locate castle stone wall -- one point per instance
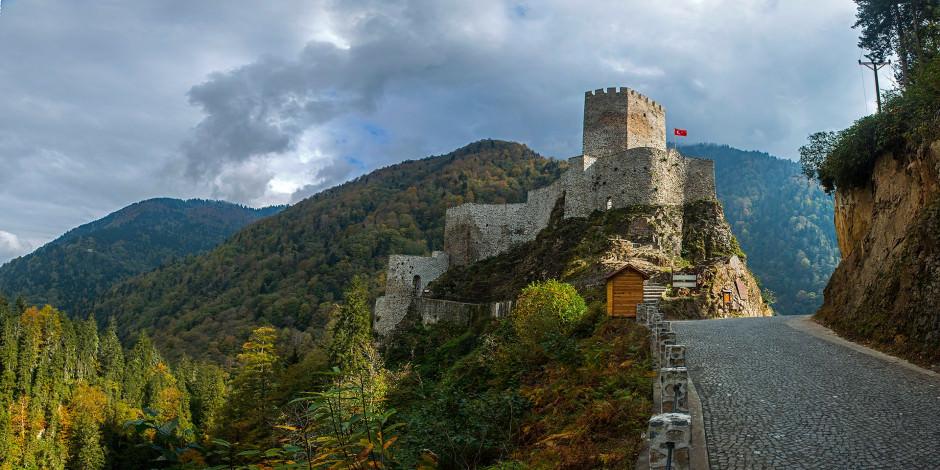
(406, 279)
(638, 176)
(699, 180)
(646, 123)
(478, 231)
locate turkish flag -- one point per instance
(681, 132)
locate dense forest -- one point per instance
(68, 390)
(72, 270)
(783, 222)
(289, 269)
(558, 372)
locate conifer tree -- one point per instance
(111, 360)
(352, 329)
(142, 360)
(250, 410)
(86, 334)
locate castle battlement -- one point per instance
(616, 120)
(622, 90)
(625, 163)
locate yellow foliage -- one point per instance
(89, 402)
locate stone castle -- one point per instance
(624, 162)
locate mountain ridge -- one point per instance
(71, 270)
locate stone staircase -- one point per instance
(652, 292)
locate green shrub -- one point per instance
(546, 311)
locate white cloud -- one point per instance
(12, 246)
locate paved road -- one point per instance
(774, 396)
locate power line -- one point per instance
(874, 65)
(861, 75)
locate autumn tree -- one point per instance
(88, 412)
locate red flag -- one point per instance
(680, 132)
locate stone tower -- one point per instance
(618, 120)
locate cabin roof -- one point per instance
(627, 267)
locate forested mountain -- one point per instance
(289, 269)
(72, 270)
(783, 221)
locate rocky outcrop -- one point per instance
(886, 290)
(693, 238)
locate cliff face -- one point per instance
(886, 290)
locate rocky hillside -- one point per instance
(582, 251)
(289, 269)
(887, 287)
(71, 271)
(782, 220)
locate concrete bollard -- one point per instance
(665, 339)
(670, 435)
(675, 355)
(674, 388)
(654, 317)
(657, 328)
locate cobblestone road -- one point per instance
(777, 397)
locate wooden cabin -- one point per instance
(625, 291)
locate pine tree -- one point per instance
(352, 329)
(86, 334)
(142, 360)
(250, 411)
(908, 30)
(111, 360)
(207, 390)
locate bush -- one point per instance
(546, 311)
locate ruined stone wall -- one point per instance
(406, 278)
(433, 311)
(478, 231)
(617, 120)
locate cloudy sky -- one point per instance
(108, 102)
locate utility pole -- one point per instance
(874, 65)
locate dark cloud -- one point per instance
(110, 103)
